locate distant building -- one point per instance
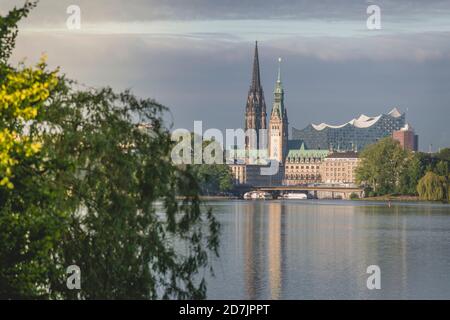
(353, 135)
(255, 111)
(239, 174)
(278, 124)
(303, 166)
(316, 154)
(407, 138)
(339, 167)
(248, 171)
(250, 174)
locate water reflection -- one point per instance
(252, 240)
(310, 250)
(275, 248)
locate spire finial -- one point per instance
(279, 70)
(256, 82)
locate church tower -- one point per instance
(255, 110)
(278, 124)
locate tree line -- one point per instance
(386, 168)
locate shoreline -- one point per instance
(379, 199)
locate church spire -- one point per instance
(256, 77)
(255, 110)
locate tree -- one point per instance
(100, 192)
(22, 94)
(410, 175)
(213, 178)
(9, 29)
(354, 196)
(126, 245)
(30, 228)
(442, 168)
(444, 154)
(382, 165)
(433, 187)
(430, 162)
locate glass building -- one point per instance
(353, 135)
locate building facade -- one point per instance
(353, 135)
(251, 175)
(340, 167)
(407, 138)
(303, 166)
(278, 124)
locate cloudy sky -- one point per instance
(195, 56)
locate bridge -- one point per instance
(319, 191)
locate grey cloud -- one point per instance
(407, 47)
(205, 75)
(53, 11)
(208, 79)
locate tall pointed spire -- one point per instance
(278, 102)
(256, 77)
(255, 110)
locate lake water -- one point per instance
(307, 249)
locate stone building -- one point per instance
(339, 167)
(250, 174)
(303, 166)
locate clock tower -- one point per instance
(278, 124)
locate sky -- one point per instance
(195, 56)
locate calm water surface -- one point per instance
(294, 249)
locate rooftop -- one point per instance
(342, 155)
(362, 121)
(407, 127)
(302, 152)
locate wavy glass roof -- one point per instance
(362, 121)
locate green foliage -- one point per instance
(127, 246)
(442, 168)
(430, 162)
(410, 175)
(102, 194)
(382, 165)
(354, 196)
(444, 154)
(30, 221)
(23, 93)
(9, 29)
(386, 168)
(433, 187)
(213, 178)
